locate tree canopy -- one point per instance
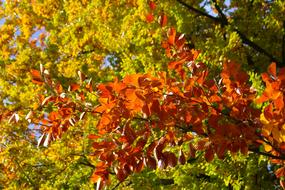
(136, 94)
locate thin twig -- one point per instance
(117, 185)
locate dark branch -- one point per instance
(199, 12)
(166, 181)
(224, 22)
(117, 185)
(266, 154)
(26, 176)
(256, 47)
(223, 17)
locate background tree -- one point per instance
(52, 43)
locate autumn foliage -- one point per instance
(161, 120)
(145, 120)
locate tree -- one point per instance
(61, 123)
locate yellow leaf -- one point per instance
(267, 148)
(282, 133)
(263, 119)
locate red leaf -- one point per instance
(150, 162)
(180, 42)
(220, 150)
(139, 167)
(151, 148)
(152, 5)
(141, 143)
(129, 133)
(163, 20)
(209, 155)
(192, 152)
(181, 159)
(155, 107)
(171, 159)
(149, 17)
(121, 174)
(146, 110)
(280, 172)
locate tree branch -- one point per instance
(199, 12)
(266, 154)
(166, 181)
(283, 45)
(224, 22)
(223, 17)
(257, 48)
(26, 176)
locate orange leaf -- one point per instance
(272, 69)
(36, 74)
(74, 87)
(96, 178)
(280, 172)
(279, 103)
(58, 88)
(104, 90)
(195, 54)
(171, 36)
(92, 136)
(36, 77)
(37, 82)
